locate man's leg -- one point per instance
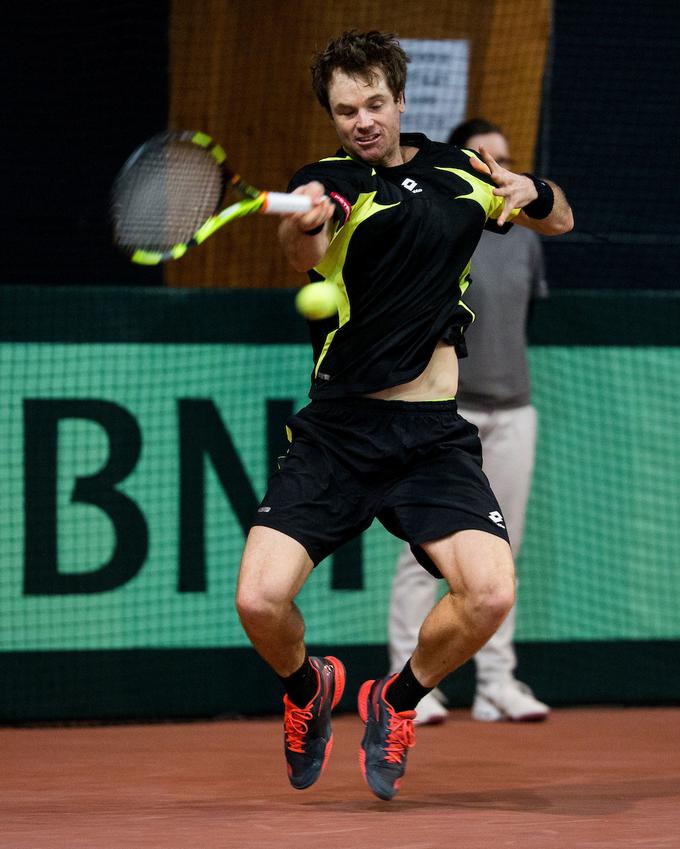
(274, 568)
(479, 570)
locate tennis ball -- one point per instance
(317, 300)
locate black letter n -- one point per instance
(202, 432)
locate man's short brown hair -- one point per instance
(359, 54)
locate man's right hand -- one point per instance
(303, 247)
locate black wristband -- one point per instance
(315, 231)
(542, 206)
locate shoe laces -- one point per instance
(400, 736)
(295, 727)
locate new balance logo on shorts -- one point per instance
(496, 517)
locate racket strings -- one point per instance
(165, 195)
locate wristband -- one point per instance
(542, 206)
(315, 231)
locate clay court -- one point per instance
(595, 778)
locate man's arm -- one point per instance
(302, 245)
(560, 220)
(519, 191)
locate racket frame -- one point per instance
(253, 200)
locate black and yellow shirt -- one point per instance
(400, 256)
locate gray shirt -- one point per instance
(507, 273)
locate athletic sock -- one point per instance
(302, 685)
(406, 691)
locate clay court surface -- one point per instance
(595, 778)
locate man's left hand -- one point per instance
(516, 189)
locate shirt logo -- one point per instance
(496, 517)
(411, 185)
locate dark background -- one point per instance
(85, 82)
(611, 137)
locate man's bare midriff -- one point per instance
(439, 380)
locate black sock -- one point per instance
(302, 685)
(406, 691)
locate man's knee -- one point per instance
(259, 599)
(483, 573)
(253, 607)
(273, 569)
(491, 602)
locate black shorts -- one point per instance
(415, 466)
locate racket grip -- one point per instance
(281, 203)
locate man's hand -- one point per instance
(303, 250)
(321, 211)
(516, 189)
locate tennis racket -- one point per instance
(171, 193)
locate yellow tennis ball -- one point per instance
(317, 300)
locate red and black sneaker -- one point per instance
(387, 738)
(308, 738)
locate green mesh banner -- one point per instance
(130, 472)
(600, 557)
(169, 510)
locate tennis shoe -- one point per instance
(308, 738)
(508, 699)
(387, 738)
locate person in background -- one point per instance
(494, 394)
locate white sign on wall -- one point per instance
(436, 89)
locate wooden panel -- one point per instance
(509, 68)
(240, 71)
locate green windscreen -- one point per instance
(198, 411)
(602, 545)
(130, 471)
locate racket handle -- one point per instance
(281, 203)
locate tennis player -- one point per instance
(395, 221)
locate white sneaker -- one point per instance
(430, 710)
(508, 700)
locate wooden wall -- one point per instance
(240, 71)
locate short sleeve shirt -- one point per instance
(400, 257)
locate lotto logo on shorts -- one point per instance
(496, 517)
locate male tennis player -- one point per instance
(395, 221)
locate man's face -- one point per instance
(366, 117)
(494, 143)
